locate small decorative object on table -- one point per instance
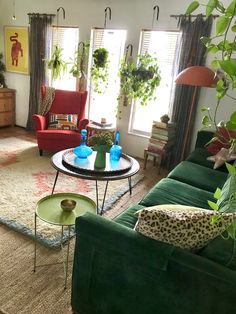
(101, 144)
(68, 205)
(116, 149)
(83, 151)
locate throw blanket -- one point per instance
(46, 101)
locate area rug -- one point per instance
(26, 177)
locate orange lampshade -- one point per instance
(197, 76)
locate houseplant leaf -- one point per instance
(211, 5)
(192, 7)
(222, 24)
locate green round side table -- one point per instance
(49, 210)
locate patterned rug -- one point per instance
(25, 177)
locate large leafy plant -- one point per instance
(56, 64)
(139, 81)
(223, 46)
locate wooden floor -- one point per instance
(25, 292)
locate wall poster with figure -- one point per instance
(16, 49)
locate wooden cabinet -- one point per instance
(7, 107)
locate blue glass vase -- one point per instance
(83, 151)
(116, 149)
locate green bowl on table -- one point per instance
(68, 205)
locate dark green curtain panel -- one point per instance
(38, 50)
(192, 52)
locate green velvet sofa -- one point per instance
(119, 271)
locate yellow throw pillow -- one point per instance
(182, 226)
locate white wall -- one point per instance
(132, 15)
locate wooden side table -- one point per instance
(165, 153)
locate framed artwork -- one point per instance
(16, 49)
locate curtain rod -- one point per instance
(41, 14)
(179, 15)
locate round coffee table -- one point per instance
(49, 210)
(59, 165)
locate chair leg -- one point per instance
(40, 152)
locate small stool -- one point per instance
(157, 156)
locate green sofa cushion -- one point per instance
(199, 156)
(127, 217)
(169, 191)
(198, 176)
(221, 251)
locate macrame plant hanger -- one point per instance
(107, 9)
(64, 16)
(82, 79)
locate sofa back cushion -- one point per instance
(182, 226)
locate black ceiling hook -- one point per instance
(64, 14)
(156, 10)
(105, 21)
(129, 47)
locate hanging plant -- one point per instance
(2, 70)
(56, 64)
(99, 70)
(139, 81)
(79, 64)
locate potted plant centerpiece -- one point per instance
(99, 70)
(138, 81)
(79, 65)
(101, 143)
(223, 47)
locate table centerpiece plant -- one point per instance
(99, 70)
(101, 143)
(223, 46)
(138, 81)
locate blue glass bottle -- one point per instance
(83, 151)
(116, 149)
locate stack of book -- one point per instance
(162, 137)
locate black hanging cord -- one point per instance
(63, 14)
(156, 11)
(105, 21)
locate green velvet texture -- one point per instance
(116, 270)
(169, 191)
(203, 137)
(128, 218)
(198, 176)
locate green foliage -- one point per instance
(56, 64)
(140, 81)
(2, 70)
(99, 70)
(103, 138)
(80, 60)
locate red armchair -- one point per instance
(65, 102)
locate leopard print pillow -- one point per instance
(182, 226)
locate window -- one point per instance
(67, 39)
(162, 45)
(104, 105)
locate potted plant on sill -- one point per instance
(79, 65)
(223, 46)
(56, 64)
(138, 81)
(101, 143)
(2, 71)
(99, 70)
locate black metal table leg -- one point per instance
(55, 181)
(130, 185)
(104, 198)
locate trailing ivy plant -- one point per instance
(99, 70)
(2, 70)
(139, 81)
(223, 46)
(56, 64)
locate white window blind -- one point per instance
(67, 39)
(104, 105)
(163, 46)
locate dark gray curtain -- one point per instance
(38, 50)
(192, 52)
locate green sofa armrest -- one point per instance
(203, 137)
(117, 270)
